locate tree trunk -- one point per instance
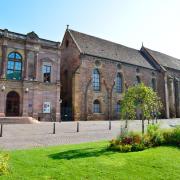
(126, 122)
(142, 123)
(142, 126)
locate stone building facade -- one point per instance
(81, 79)
(29, 76)
(95, 73)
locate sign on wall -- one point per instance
(46, 107)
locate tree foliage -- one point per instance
(143, 98)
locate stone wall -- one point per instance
(70, 61)
(84, 95)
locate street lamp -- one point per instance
(26, 90)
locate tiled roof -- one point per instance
(165, 60)
(102, 48)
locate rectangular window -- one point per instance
(47, 73)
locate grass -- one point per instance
(92, 161)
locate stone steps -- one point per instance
(18, 120)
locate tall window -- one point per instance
(96, 106)
(138, 80)
(47, 73)
(14, 66)
(153, 81)
(118, 107)
(96, 80)
(119, 83)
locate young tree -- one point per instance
(143, 99)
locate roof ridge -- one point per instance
(163, 53)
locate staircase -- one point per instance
(18, 120)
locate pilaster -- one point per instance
(171, 97)
(4, 59)
(58, 103)
(166, 96)
(25, 95)
(177, 85)
(26, 64)
(36, 65)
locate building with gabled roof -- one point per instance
(83, 78)
(95, 72)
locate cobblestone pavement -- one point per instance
(23, 136)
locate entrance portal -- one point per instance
(12, 104)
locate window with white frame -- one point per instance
(46, 73)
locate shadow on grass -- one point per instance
(80, 153)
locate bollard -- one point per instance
(77, 126)
(54, 128)
(109, 125)
(1, 132)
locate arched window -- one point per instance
(14, 66)
(153, 84)
(96, 80)
(96, 106)
(119, 87)
(118, 107)
(138, 80)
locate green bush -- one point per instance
(127, 142)
(131, 141)
(155, 135)
(4, 169)
(172, 137)
(120, 147)
(138, 147)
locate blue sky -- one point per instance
(156, 23)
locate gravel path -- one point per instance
(23, 136)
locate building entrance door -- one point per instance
(12, 104)
(66, 113)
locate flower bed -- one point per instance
(130, 142)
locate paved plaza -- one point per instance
(23, 136)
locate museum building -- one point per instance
(29, 76)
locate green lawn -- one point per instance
(92, 161)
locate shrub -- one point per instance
(131, 141)
(127, 142)
(125, 148)
(4, 163)
(155, 135)
(172, 137)
(138, 147)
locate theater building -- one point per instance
(29, 76)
